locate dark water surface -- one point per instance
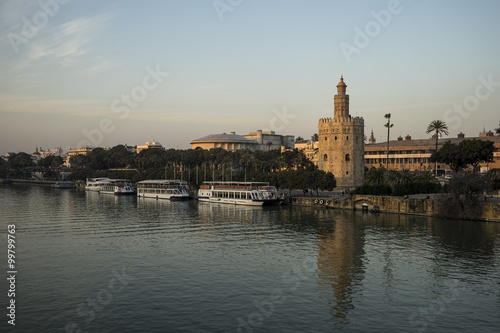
(95, 263)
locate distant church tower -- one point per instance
(372, 139)
(342, 143)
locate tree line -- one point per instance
(289, 169)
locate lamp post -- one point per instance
(388, 125)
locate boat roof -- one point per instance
(162, 181)
(236, 183)
(117, 180)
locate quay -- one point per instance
(418, 205)
(33, 182)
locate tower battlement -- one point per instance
(355, 120)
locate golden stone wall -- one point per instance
(341, 143)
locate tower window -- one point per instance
(347, 137)
(326, 138)
(347, 158)
(347, 172)
(325, 157)
(335, 138)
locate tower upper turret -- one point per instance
(341, 100)
(341, 86)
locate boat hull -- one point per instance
(172, 197)
(231, 201)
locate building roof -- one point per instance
(226, 138)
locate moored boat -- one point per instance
(93, 184)
(116, 187)
(163, 189)
(240, 193)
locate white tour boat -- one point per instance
(240, 193)
(116, 187)
(163, 189)
(93, 184)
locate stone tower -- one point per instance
(342, 143)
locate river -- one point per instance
(97, 263)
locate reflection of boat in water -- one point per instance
(93, 184)
(240, 193)
(64, 184)
(163, 189)
(116, 187)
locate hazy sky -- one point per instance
(110, 72)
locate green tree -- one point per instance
(78, 161)
(477, 151)
(51, 162)
(462, 200)
(439, 127)
(497, 130)
(424, 177)
(493, 176)
(450, 154)
(375, 176)
(466, 153)
(21, 160)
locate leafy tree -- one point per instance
(299, 138)
(21, 160)
(439, 127)
(120, 156)
(497, 130)
(467, 152)
(78, 161)
(450, 154)
(477, 151)
(462, 201)
(315, 137)
(51, 161)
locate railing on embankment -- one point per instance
(390, 204)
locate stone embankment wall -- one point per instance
(400, 205)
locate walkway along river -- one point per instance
(490, 211)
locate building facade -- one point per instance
(149, 145)
(415, 155)
(258, 140)
(341, 143)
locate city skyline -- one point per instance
(124, 72)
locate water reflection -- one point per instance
(340, 265)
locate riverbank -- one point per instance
(490, 211)
(33, 182)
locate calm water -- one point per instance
(94, 263)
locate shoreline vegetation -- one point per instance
(458, 198)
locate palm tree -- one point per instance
(375, 176)
(392, 178)
(388, 125)
(440, 128)
(497, 130)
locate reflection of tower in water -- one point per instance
(340, 267)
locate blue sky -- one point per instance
(240, 65)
